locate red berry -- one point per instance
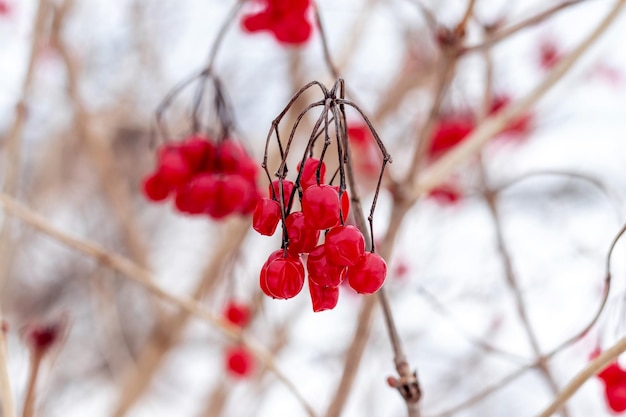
(284, 277)
(616, 397)
(266, 216)
(173, 168)
(368, 275)
(239, 362)
(231, 196)
(345, 202)
(302, 239)
(345, 245)
(274, 191)
(320, 205)
(231, 158)
(253, 199)
(155, 189)
(309, 173)
(446, 194)
(323, 298)
(321, 271)
(198, 194)
(263, 276)
(237, 313)
(448, 133)
(199, 153)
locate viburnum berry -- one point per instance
(368, 275)
(232, 158)
(345, 202)
(302, 238)
(449, 132)
(345, 245)
(321, 271)
(282, 276)
(199, 153)
(266, 216)
(263, 275)
(446, 194)
(323, 298)
(198, 194)
(237, 313)
(320, 205)
(549, 53)
(614, 379)
(155, 188)
(309, 172)
(286, 19)
(231, 196)
(274, 191)
(239, 362)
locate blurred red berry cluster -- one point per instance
(342, 255)
(287, 20)
(205, 178)
(238, 360)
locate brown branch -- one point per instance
(143, 277)
(511, 279)
(98, 147)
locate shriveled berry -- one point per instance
(368, 275)
(320, 205)
(323, 298)
(321, 271)
(237, 313)
(345, 245)
(274, 191)
(285, 277)
(239, 362)
(302, 238)
(266, 216)
(155, 189)
(309, 173)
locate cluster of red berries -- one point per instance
(238, 360)
(342, 255)
(287, 20)
(205, 178)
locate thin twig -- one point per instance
(144, 278)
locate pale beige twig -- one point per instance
(8, 405)
(167, 332)
(502, 34)
(441, 169)
(31, 384)
(595, 366)
(144, 278)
